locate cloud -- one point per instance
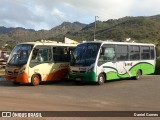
(145, 8)
(46, 14)
(17, 14)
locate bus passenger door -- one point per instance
(41, 62)
(107, 62)
(123, 65)
(122, 69)
(61, 55)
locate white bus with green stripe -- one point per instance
(99, 61)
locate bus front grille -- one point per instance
(73, 71)
(12, 73)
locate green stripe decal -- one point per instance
(114, 74)
(146, 68)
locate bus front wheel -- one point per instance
(35, 80)
(101, 79)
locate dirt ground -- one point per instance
(119, 95)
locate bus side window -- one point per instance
(107, 53)
(34, 54)
(60, 54)
(122, 52)
(145, 52)
(41, 55)
(134, 52)
(47, 55)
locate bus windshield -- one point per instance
(19, 55)
(85, 54)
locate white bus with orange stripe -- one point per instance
(34, 62)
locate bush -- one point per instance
(157, 71)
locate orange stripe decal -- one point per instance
(57, 75)
(22, 78)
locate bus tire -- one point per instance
(78, 82)
(101, 79)
(16, 83)
(35, 80)
(138, 75)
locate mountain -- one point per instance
(141, 29)
(4, 30)
(137, 28)
(60, 30)
(21, 34)
(12, 36)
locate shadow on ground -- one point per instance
(66, 82)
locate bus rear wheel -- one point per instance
(138, 75)
(35, 80)
(101, 79)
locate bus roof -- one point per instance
(121, 43)
(49, 43)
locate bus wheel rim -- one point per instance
(137, 75)
(101, 79)
(35, 80)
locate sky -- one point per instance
(46, 14)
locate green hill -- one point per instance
(140, 29)
(137, 28)
(12, 36)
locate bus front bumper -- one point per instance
(83, 77)
(21, 78)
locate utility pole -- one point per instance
(95, 28)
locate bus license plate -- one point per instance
(78, 79)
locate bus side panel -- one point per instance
(134, 68)
(22, 78)
(112, 75)
(146, 67)
(126, 69)
(50, 71)
(123, 69)
(57, 75)
(109, 69)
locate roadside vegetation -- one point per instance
(157, 71)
